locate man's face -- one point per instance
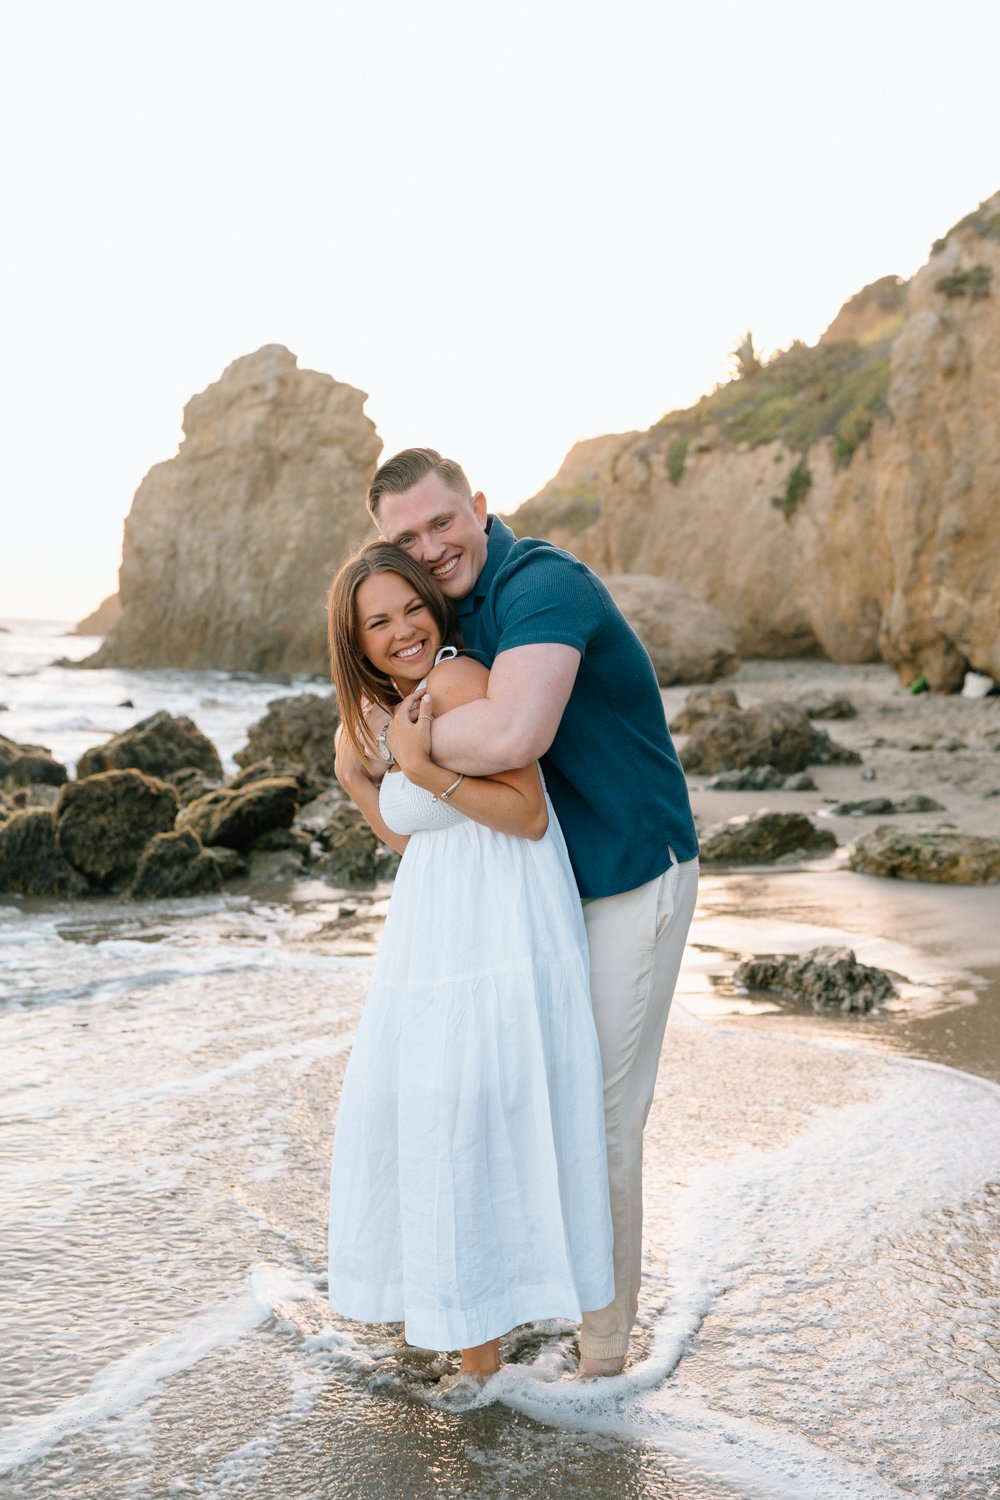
(442, 530)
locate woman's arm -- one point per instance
(510, 801)
(362, 787)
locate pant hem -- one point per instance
(603, 1346)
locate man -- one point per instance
(572, 686)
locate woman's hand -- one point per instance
(348, 767)
(409, 739)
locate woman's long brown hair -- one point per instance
(357, 682)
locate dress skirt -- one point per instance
(469, 1181)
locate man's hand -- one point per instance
(349, 768)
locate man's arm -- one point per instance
(516, 722)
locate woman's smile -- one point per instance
(397, 631)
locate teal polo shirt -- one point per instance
(612, 771)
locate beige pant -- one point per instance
(636, 942)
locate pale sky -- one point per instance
(513, 226)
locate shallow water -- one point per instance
(820, 1305)
(818, 1314)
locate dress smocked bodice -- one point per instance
(406, 808)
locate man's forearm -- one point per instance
(480, 740)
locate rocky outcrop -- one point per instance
(844, 498)
(104, 822)
(940, 855)
(828, 978)
(28, 765)
(868, 807)
(298, 730)
(775, 734)
(687, 641)
(765, 837)
(100, 620)
(229, 546)
(160, 745)
(31, 861)
(237, 819)
(174, 864)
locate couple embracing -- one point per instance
(487, 1166)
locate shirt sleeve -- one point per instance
(547, 597)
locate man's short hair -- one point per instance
(401, 473)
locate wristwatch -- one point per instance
(383, 748)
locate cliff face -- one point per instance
(229, 546)
(845, 499)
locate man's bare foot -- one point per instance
(481, 1359)
(593, 1369)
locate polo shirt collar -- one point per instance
(500, 539)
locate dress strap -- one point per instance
(445, 654)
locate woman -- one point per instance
(469, 1179)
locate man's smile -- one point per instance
(445, 569)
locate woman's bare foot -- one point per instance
(593, 1369)
(481, 1359)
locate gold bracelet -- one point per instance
(446, 794)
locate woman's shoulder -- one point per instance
(456, 680)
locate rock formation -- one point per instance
(829, 978)
(100, 620)
(230, 545)
(843, 499)
(687, 641)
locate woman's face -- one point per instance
(396, 629)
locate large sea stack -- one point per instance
(229, 546)
(842, 498)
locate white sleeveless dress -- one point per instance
(469, 1181)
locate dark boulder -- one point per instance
(299, 729)
(748, 779)
(702, 703)
(34, 767)
(159, 745)
(191, 783)
(765, 837)
(31, 862)
(274, 765)
(770, 734)
(870, 807)
(104, 822)
(939, 855)
(238, 818)
(828, 978)
(352, 854)
(174, 864)
(822, 705)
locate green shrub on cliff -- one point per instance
(801, 395)
(984, 221)
(573, 509)
(973, 283)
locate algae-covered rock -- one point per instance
(298, 729)
(174, 864)
(765, 837)
(828, 978)
(938, 855)
(159, 745)
(238, 818)
(104, 822)
(31, 862)
(34, 767)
